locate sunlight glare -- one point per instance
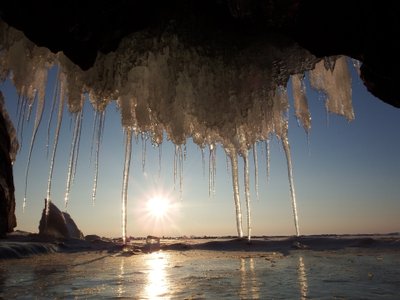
(158, 206)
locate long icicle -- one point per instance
(20, 111)
(286, 147)
(203, 161)
(72, 158)
(211, 170)
(38, 119)
(268, 158)
(180, 165)
(53, 104)
(21, 119)
(175, 165)
(247, 193)
(236, 195)
(78, 142)
(96, 165)
(94, 136)
(128, 151)
(255, 159)
(159, 159)
(144, 150)
(53, 154)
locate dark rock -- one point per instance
(366, 30)
(7, 200)
(58, 224)
(92, 237)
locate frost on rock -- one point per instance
(165, 84)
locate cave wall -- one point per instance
(366, 30)
(7, 199)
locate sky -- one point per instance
(346, 176)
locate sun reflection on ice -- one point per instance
(302, 276)
(121, 275)
(249, 282)
(157, 285)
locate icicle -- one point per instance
(247, 193)
(228, 167)
(76, 155)
(38, 119)
(53, 104)
(95, 128)
(96, 166)
(55, 144)
(159, 159)
(203, 162)
(128, 151)
(300, 102)
(212, 170)
(255, 158)
(144, 146)
(19, 105)
(175, 164)
(180, 162)
(20, 109)
(30, 106)
(21, 119)
(72, 157)
(336, 85)
(268, 157)
(286, 147)
(236, 195)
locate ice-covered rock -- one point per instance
(58, 224)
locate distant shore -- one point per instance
(22, 244)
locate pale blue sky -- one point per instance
(346, 176)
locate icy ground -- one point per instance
(351, 267)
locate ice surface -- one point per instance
(164, 86)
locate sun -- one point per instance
(158, 206)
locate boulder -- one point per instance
(58, 224)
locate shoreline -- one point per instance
(21, 245)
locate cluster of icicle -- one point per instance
(162, 87)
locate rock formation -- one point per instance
(8, 147)
(58, 224)
(366, 30)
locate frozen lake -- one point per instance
(347, 273)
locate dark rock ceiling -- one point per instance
(366, 30)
